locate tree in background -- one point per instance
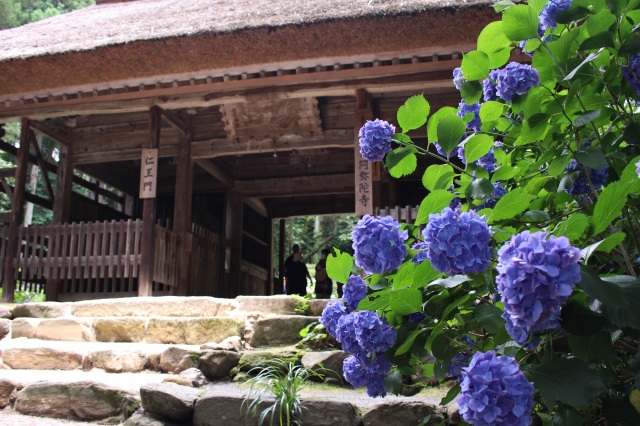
(14, 13)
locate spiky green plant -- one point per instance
(284, 380)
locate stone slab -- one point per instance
(24, 327)
(277, 330)
(404, 413)
(41, 359)
(217, 408)
(169, 401)
(316, 306)
(67, 329)
(119, 361)
(41, 310)
(120, 329)
(164, 306)
(192, 331)
(277, 304)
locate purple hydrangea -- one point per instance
(638, 168)
(416, 317)
(375, 139)
(354, 291)
(379, 245)
(464, 108)
(458, 78)
(516, 79)
(332, 314)
(499, 191)
(458, 242)
(489, 86)
(374, 334)
(456, 204)
(632, 73)
(536, 276)
(346, 335)
(494, 391)
(549, 15)
(523, 335)
(422, 255)
(371, 373)
(461, 359)
(581, 186)
(354, 371)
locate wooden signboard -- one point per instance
(148, 173)
(364, 186)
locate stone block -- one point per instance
(5, 312)
(41, 359)
(165, 306)
(402, 413)
(217, 408)
(120, 329)
(194, 376)
(122, 361)
(233, 343)
(5, 327)
(6, 389)
(278, 304)
(175, 360)
(216, 365)
(169, 401)
(316, 306)
(326, 412)
(146, 420)
(326, 363)
(67, 329)
(257, 359)
(192, 331)
(42, 310)
(24, 327)
(277, 330)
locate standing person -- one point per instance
(324, 284)
(296, 273)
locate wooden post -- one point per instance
(233, 233)
(182, 213)
(147, 244)
(17, 207)
(281, 253)
(363, 170)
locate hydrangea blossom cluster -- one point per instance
(332, 314)
(516, 79)
(489, 86)
(464, 108)
(375, 139)
(494, 391)
(422, 255)
(581, 185)
(458, 242)
(458, 78)
(631, 73)
(549, 15)
(379, 245)
(499, 191)
(536, 276)
(638, 168)
(461, 359)
(354, 291)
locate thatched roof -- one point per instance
(121, 23)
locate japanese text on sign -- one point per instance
(148, 173)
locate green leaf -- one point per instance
(605, 245)
(471, 92)
(404, 277)
(609, 205)
(492, 38)
(606, 292)
(413, 114)
(475, 65)
(479, 189)
(569, 381)
(595, 348)
(511, 204)
(490, 111)
(604, 39)
(558, 165)
(433, 203)
(379, 300)
(589, 58)
(586, 118)
(425, 273)
(499, 58)
(477, 146)
(393, 382)
(535, 216)
(438, 176)
(450, 282)
(600, 22)
(450, 130)
(406, 345)
(520, 23)
(450, 396)
(339, 265)
(490, 317)
(406, 301)
(401, 161)
(593, 158)
(630, 176)
(434, 121)
(573, 228)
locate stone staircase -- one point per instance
(171, 360)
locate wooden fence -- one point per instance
(407, 214)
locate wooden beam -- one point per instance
(29, 197)
(233, 234)
(305, 185)
(47, 131)
(7, 188)
(43, 167)
(7, 172)
(214, 171)
(182, 212)
(175, 121)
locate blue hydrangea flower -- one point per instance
(489, 86)
(464, 108)
(377, 371)
(638, 168)
(354, 372)
(536, 276)
(375, 139)
(549, 15)
(416, 317)
(456, 204)
(458, 78)
(631, 73)
(379, 245)
(461, 359)
(346, 335)
(499, 191)
(331, 314)
(374, 334)
(354, 291)
(494, 391)
(581, 184)
(421, 256)
(458, 242)
(516, 79)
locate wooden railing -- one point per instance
(406, 214)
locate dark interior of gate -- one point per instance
(235, 151)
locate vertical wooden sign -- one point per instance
(363, 171)
(148, 173)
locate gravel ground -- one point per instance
(10, 418)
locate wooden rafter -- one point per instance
(43, 167)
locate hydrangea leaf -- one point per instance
(592, 158)
(450, 396)
(433, 203)
(477, 146)
(450, 282)
(558, 165)
(591, 57)
(492, 38)
(479, 189)
(520, 23)
(512, 204)
(569, 381)
(499, 58)
(609, 205)
(606, 292)
(409, 341)
(605, 245)
(406, 301)
(425, 273)
(393, 382)
(600, 22)
(630, 176)
(450, 130)
(438, 176)
(401, 161)
(434, 121)
(339, 266)
(413, 114)
(572, 228)
(490, 317)
(624, 315)
(534, 186)
(404, 277)
(537, 5)
(577, 318)
(379, 300)
(491, 110)
(471, 92)
(593, 349)
(475, 65)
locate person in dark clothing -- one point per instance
(324, 284)
(296, 273)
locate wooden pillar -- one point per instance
(233, 233)
(281, 256)
(147, 245)
(182, 213)
(17, 207)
